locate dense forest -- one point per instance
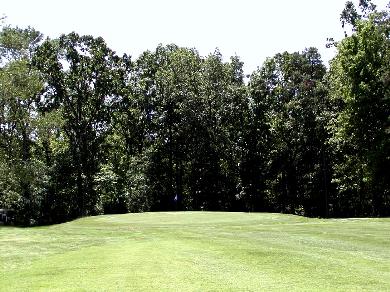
(84, 131)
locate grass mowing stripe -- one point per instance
(198, 251)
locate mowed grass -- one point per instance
(198, 251)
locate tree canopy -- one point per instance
(84, 131)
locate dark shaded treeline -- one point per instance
(84, 131)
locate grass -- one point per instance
(198, 251)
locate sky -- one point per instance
(250, 29)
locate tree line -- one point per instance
(84, 131)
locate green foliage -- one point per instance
(17, 43)
(137, 185)
(289, 100)
(83, 78)
(24, 175)
(9, 194)
(360, 128)
(84, 131)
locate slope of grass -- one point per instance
(197, 251)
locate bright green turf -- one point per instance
(197, 251)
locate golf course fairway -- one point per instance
(198, 251)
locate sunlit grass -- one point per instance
(197, 251)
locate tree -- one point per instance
(215, 152)
(174, 87)
(289, 101)
(83, 80)
(359, 77)
(24, 174)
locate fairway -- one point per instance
(198, 251)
